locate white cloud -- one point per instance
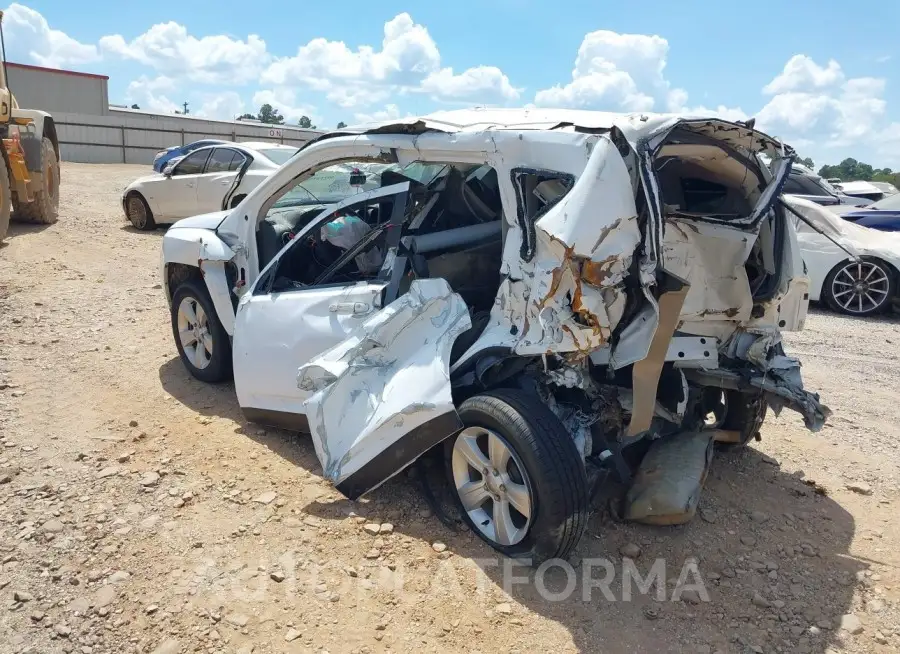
(613, 72)
(149, 94)
(224, 106)
(389, 112)
(29, 39)
(169, 48)
(484, 83)
(801, 72)
(408, 61)
(408, 53)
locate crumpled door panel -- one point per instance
(711, 258)
(381, 398)
(569, 296)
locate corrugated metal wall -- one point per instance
(129, 136)
(54, 91)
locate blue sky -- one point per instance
(825, 76)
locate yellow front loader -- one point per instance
(29, 165)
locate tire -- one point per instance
(5, 199)
(44, 209)
(554, 475)
(745, 413)
(138, 212)
(875, 296)
(209, 367)
(235, 201)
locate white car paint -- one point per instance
(564, 289)
(176, 193)
(822, 254)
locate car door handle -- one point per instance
(225, 182)
(190, 184)
(353, 308)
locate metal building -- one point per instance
(55, 91)
(92, 131)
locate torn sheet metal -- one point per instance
(781, 382)
(381, 398)
(711, 258)
(570, 296)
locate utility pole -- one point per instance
(186, 111)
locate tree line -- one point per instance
(851, 170)
(271, 116)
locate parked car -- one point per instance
(508, 296)
(163, 157)
(806, 184)
(208, 179)
(852, 269)
(865, 190)
(883, 215)
(886, 188)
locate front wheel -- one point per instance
(518, 479)
(44, 209)
(202, 341)
(139, 213)
(860, 288)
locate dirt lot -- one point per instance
(141, 514)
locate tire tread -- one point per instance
(565, 484)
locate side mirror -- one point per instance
(167, 171)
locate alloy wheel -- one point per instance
(193, 331)
(492, 485)
(861, 287)
(137, 212)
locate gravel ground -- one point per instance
(140, 513)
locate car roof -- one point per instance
(262, 145)
(634, 126)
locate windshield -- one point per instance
(891, 202)
(823, 183)
(278, 155)
(339, 182)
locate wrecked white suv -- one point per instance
(547, 293)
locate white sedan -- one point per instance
(852, 269)
(212, 178)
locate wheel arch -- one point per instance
(49, 132)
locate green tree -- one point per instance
(807, 161)
(305, 122)
(134, 106)
(341, 125)
(246, 117)
(269, 115)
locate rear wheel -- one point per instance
(202, 341)
(744, 414)
(518, 479)
(139, 212)
(860, 288)
(5, 199)
(44, 209)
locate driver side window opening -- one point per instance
(193, 164)
(448, 224)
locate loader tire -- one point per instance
(5, 199)
(44, 210)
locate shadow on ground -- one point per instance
(22, 229)
(771, 549)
